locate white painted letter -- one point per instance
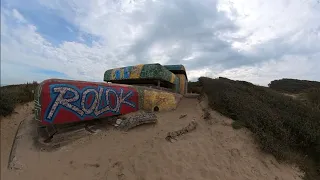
(60, 100)
(94, 103)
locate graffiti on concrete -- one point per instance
(141, 71)
(174, 74)
(163, 100)
(89, 101)
(182, 83)
(60, 101)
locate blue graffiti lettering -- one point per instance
(90, 101)
(117, 74)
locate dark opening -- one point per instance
(146, 82)
(179, 72)
(156, 108)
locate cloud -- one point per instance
(234, 38)
(18, 16)
(298, 67)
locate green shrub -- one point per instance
(237, 124)
(313, 96)
(194, 87)
(14, 94)
(7, 104)
(282, 126)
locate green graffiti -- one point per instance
(147, 71)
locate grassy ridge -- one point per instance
(287, 128)
(293, 85)
(14, 94)
(313, 96)
(310, 96)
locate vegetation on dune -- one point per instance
(194, 87)
(293, 85)
(313, 96)
(14, 94)
(283, 126)
(310, 96)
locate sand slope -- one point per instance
(210, 152)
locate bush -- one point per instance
(7, 104)
(310, 97)
(194, 87)
(14, 94)
(282, 126)
(293, 85)
(237, 124)
(313, 96)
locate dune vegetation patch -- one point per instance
(14, 94)
(283, 126)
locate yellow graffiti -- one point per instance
(113, 73)
(135, 72)
(172, 78)
(182, 78)
(163, 100)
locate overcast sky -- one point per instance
(251, 40)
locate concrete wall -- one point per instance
(60, 101)
(182, 83)
(180, 71)
(178, 67)
(142, 71)
(150, 71)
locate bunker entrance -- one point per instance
(152, 83)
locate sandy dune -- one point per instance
(210, 152)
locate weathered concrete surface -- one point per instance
(174, 75)
(141, 71)
(136, 120)
(182, 83)
(60, 101)
(180, 72)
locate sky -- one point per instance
(251, 40)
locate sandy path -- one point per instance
(210, 152)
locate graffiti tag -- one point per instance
(92, 101)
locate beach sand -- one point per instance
(212, 151)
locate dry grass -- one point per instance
(15, 94)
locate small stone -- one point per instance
(96, 165)
(172, 140)
(182, 116)
(119, 121)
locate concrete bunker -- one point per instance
(172, 78)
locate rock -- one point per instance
(118, 121)
(182, 116)
(96, 165)
(137, 120)
(172, 135)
